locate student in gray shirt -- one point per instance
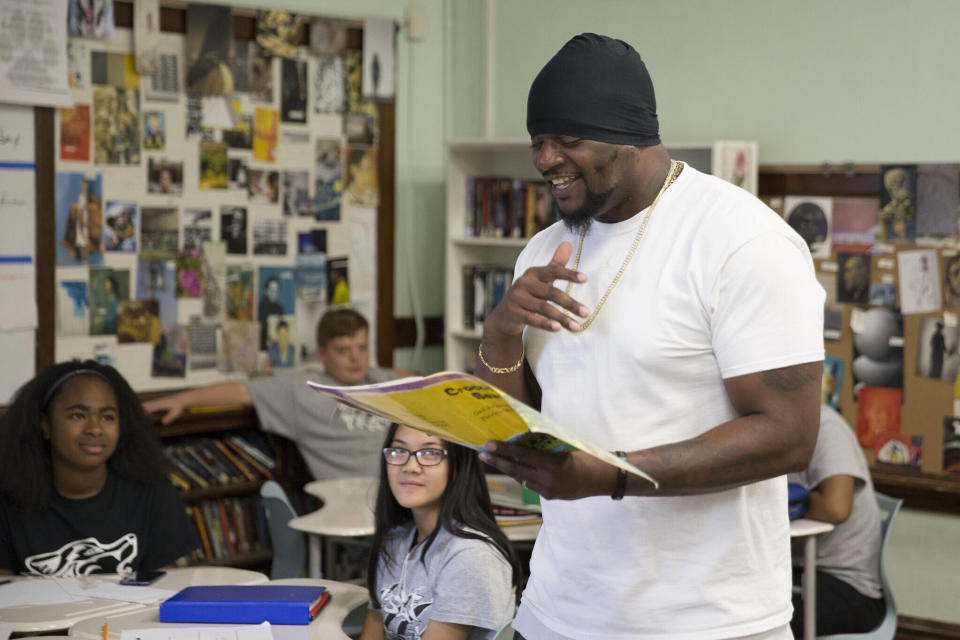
(438, 562)
(849, 592)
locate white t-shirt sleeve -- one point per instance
(766, 307)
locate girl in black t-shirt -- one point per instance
(82, 483)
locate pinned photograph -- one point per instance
(75, 133)
(883, 294)
(159, 231)
(328, 85)
(215, 281)
(241, 136)
(312, 242)
(265, 135)
(197, 227)
(281, 349)
(296, 193)
(338, 280)
(116, 125)
(853, 278)
(263, 186)
(194, 117)
(78, 64)
(311, 277)
(278, 32)
(360, 129)
(240, 293)
(157, 280)
(213, 165)
(240, 351)
(810, 217)
(938, 350)
(114, 70)
(277, 297)
(170, 355)
(293, 90)
(938, 199)
(328, 184)
(261, 74)
(856, 224)
(190, 273)
(378, 58)
(164, 176)
(120, 226)
(832, 381)
(73, 308)
(163, 85)
(154, 130)
(237, 173)
(898, 203)
(270, 238)
(919, 277)
(202, 344)
(79, 204)
(878, 412)
(353, 67)
(951, 281)
(951, 444)
(209, 50)
(90, 19)
(328, 37)
(362, 188)
(138, 321)
(233, 229)
(108, 288)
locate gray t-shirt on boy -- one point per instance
(851, 552)
(462, 581)
(335, 440)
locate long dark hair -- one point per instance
(465, 504)
(26, 475)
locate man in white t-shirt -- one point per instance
(675, 319)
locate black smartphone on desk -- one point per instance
(143, 578)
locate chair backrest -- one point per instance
(289, 546)
(888, 627)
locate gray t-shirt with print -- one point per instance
(335, 440)
(851, 552)
(461, 581)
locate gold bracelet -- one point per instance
(501, 369)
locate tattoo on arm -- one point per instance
(786, 379)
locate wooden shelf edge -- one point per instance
(919, 490)
(192, 423)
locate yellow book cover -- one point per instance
(464, 409)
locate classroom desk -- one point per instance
(53, 617)
(347, 512)
(328, 624)
(809, 530)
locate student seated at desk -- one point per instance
(83, 487)
(849, 591)
(439, 565)
(334, 439)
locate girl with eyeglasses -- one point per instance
(440, 568)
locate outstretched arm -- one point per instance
(775, 433)
(225, 393)
(832, 499)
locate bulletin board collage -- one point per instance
(214, 196)
(890, 265)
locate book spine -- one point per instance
(240, 466)
(200, 465)
(180, 460)
(468, 315)
(212, 519)
(468, 230)
(202, 532)
(229, 536)
(518, 218)
(246, 457)
(243, 542)
(265, 459)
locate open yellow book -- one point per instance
(464, 409)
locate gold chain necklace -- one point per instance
(672, 174)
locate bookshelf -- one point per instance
(470, 158)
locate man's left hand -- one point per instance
(565, 475)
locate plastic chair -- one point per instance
(505, 632)
(289, 546)
(888, 627)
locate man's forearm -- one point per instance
(226, 393)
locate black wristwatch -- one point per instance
(621, 487)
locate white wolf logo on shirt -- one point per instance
(357, 420)
(83, 557)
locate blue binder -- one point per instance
(273, 603)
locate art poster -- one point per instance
(75, 133)
(277, 297)
(328, 185)
(898, 203)
(79, 206)
(878, 412)
(209, 50)
(240, 292)
(157, 280)
(108, 288)
(120, 226)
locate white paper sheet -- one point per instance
(16, 133)
(112, 591)
(33, 52)
(16, 347)
(260, 631)
(34, 591)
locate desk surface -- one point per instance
(343, 513)
(807, 527)
(50, 617)
(328, 624)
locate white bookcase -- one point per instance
(468, 158)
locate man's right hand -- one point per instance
(528, 301)
(170, 406)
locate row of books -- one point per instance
(229, 527)
(500, 207)
(484, 285)
(512, 516)
(203, 463)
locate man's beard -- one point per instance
(579, 219)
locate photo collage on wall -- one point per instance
(887, 257)
(206, 213)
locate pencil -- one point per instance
(104, 631)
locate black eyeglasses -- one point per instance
(426, 457)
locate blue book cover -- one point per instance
(249, 604)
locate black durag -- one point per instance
(596, 88)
